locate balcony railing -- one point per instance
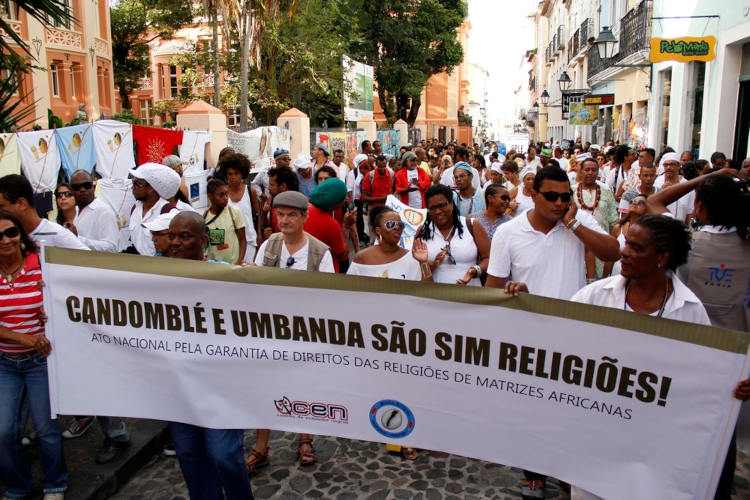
(586, 30)
(635, 32)
(560, 35)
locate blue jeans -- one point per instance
(28, 372)
(212, 460)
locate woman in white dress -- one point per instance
(458, 253)
(236, 168)
(520, 196)
(387, 259)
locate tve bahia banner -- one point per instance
(623, 405)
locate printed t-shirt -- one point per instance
(223, 243)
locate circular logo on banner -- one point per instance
(392, 418)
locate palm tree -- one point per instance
(249, 17)
(44, 11)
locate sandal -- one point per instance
(256, 460)
(306, 454)
(409, 453)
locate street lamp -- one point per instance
(605, 43)
(545, 98)
(564, 81)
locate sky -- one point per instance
(500, 35)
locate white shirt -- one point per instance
(563, 162)
(97, 226)
(464, 252)
(140, 237)
(342, 171)
(53, 234)
(448, 180)
(682, 207)
(415, 197)
(251, 236)
(260, 183)
(300, 258)
(354, 183)
(404, 268)
(682, 305)
(536, 163)
(550, 264)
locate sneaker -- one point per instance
(54, 496)
(111, 450)
(29, 440)
(533, 489)
(78, 427)
(169, 450)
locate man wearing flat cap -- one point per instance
(327, 197)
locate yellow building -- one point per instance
(77, 58)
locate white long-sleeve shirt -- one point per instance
(97, 226)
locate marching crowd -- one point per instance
(610, 226)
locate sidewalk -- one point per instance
(90, 481)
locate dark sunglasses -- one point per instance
(11, 232)
(503, 197)
(290, 262)
(63, 194)
(390, 224)
(641, 203)
(552, 196)
(84, 185)
(451, 259)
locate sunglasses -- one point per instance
(82, 185)
(63, 194)
(503, 197)
(439, 206)
(140, 184)
(552, 196)
(451, 259)
(11, 232)
(390, 224)
(290, 262)
(641, 203)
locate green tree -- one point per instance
(134, 24)
(408, 41)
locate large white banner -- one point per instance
(358, 90)
(624, 405)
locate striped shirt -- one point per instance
(20, 303)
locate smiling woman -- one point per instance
(23, 366)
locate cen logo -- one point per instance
(312, 410)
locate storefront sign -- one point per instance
(600, 99)
(684, 49)
(608, 400)
(583, 114)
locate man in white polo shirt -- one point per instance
(543, 250)
(95, 222)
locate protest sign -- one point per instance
(413, 218)
(621, 404)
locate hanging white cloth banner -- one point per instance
(40, 160)
(196, 183)
(10, 161)
(193, 149)
(118, 194)
(259, 144)
(113, 144)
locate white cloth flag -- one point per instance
(118, 194)
(113, 144)
(10, 162)
(193, 149)
(40, 160)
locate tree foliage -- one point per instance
(135, 23)
(408, 41)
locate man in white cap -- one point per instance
(153, 185)
(305, 168)
(159, 228)
(683, 207)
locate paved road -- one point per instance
(348, 470)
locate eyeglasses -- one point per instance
(552, 196)
(290, 262)
(84, 185)
(503, 197)
(140, 184)
(641, 203)
(63, 194)
(11, 232)
(390, 224)
(439, 206)
(451, 259)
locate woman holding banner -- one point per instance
(23, 368)
(655, 246)
(458, 252)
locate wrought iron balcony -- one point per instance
(634, 35)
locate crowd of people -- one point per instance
(609, 226)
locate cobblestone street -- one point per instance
(349, 469)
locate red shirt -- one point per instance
(402, 182)
(382, 185)
(20, 302)
(323, 226)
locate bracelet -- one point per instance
(477, 269)
(426, 270)
(575, 226)
(570, 223)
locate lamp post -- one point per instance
(564, 82)
(605, 48)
